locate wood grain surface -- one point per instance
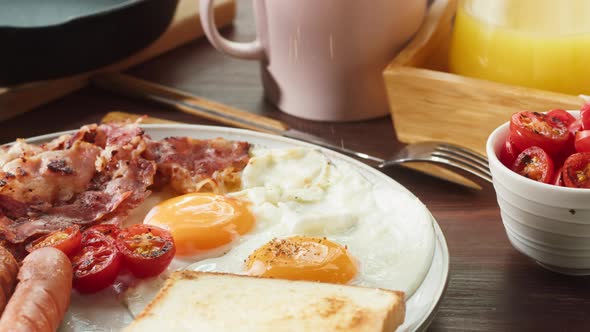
(428, 104)
(492, 286)
(201, 107)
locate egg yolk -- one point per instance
(302, 258)
(201, 221)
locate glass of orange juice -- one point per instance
(542, 44)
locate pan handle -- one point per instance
(251, 50)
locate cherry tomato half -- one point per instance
(535, 164)
(576, 170)
(97, 264)
(585, 116)
(508, 153)
(537, 129)
(582, 141)
(147, 250)
(109, 230)
(67, 240)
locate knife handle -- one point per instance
(185, 102)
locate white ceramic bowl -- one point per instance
(548, 223)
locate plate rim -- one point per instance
(422, 324)
(435, 305)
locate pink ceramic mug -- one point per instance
(322, 59)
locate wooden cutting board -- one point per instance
(123, 116)
(185, 27)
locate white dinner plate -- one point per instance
(420, 306)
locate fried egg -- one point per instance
(302, 258)
(202, 221)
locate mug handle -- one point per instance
(251, 50)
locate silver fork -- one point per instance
(459, 159)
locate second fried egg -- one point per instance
(302, 258)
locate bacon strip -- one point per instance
(96, 175)
(20, 149)
(49, 176)
(191, 165)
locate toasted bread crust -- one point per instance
(338, 308)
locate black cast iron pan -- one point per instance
(44, 39)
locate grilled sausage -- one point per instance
(42, 294)
(8, 271)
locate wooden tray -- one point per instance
(428, 103)
(185, 27)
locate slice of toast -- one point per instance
(219, 302)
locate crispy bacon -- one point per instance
(109, 135)
(49, 176)
(12, 208)
(76, 182)
(191, 165)
(57, 143)
(109, 199)
(20, 149)
(100, 173)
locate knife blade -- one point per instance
(137, 88)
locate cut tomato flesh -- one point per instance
(67, 240)
(535, 164)
(576, 170)
(529, 129)
(97, 264)
(147, 250)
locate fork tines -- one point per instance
(470, 160)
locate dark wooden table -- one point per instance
(492, 287)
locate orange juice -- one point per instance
(536, 43)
